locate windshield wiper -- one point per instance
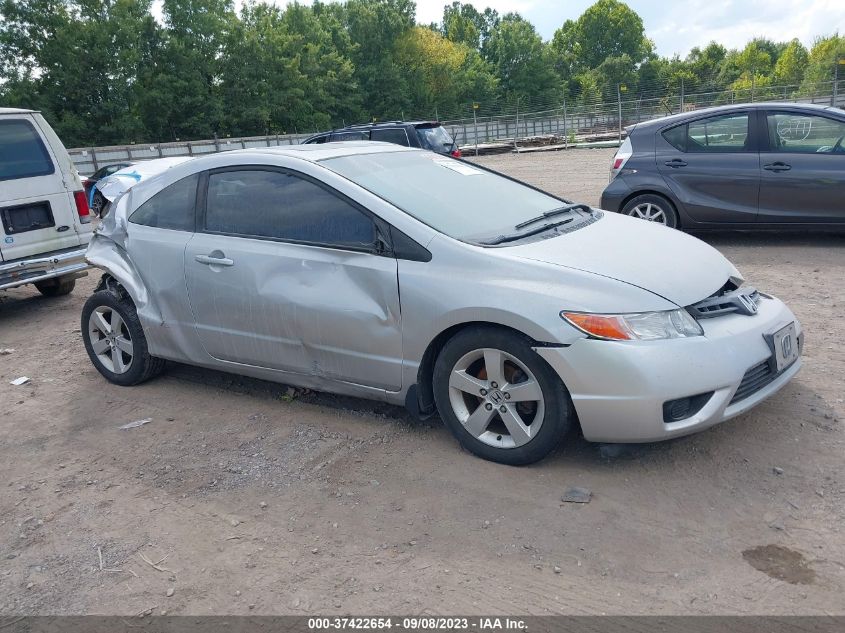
(501, 239)
(550, 214)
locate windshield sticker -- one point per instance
(459, 167)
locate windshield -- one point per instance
(436, 138)
(449, 195)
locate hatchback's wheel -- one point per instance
(499, 397)
(115, 341)
(56, 287)
(652, 208)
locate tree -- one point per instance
(180, 98)
(608, 28)
(445, 76)
(522, 62)
(789, 69)
(820, 64)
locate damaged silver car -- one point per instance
(406, 276)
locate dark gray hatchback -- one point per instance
(760, 165)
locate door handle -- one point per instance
(676, 162)
(778, 166)
(214, 261)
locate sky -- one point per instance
(675, 26)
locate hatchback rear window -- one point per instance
(435, 138)
(22, 153)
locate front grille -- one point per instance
(754, 379)
(742, 301)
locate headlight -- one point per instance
(645, 326)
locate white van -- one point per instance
(45, 223)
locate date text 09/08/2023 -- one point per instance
(419, 623)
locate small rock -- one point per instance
(315, 550)
(30, 585)
(164, 612)
(235, 522)
(262, 505)
(577, 495)
(486, 525)
(170, 592)
(538, 566)
(820, 493)
(777, 470)
(412, 542)
(251, 607)
(237, 594)
(557, 569)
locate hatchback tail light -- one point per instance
(82, 207)
(456, 153)
(621, 157)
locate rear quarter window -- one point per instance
(677, 137)
(22, 152)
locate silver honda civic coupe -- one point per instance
(406, 276)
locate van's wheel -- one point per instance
(652, 208)
(115, 341)
(56, 287)
(499, 398)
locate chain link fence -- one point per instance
(565, 124)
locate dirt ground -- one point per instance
(237, 498)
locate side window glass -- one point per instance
(805, 134)
(319, 140)
(726, 133)
(171, 208)
(677, 137)
(395, 135)
(350, 136)
(279, 205)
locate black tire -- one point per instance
(143, 366)
(99, 205)
(557, 405)
(657, 201)
(56, 287)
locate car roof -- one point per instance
(379, 124)
(727, 109)
(16, 111)
(324, 151)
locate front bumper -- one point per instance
(43, 267)
(619, 388)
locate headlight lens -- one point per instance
(644, 326)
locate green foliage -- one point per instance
(107, 72)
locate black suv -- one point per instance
(429, 135)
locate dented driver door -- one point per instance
(265, 293)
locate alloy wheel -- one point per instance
(496, 398)
(650, 212)
(110, 339)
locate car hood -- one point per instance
(667, 262)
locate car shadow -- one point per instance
(812, 239)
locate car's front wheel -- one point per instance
(499, 398)
(652, 208)
(115, 341)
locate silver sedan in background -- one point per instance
(406, 276)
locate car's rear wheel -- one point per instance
(652, 208)
(499, 398)
(56, 287)
(115, 341)
(99, 205)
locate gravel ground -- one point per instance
(242, 497)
